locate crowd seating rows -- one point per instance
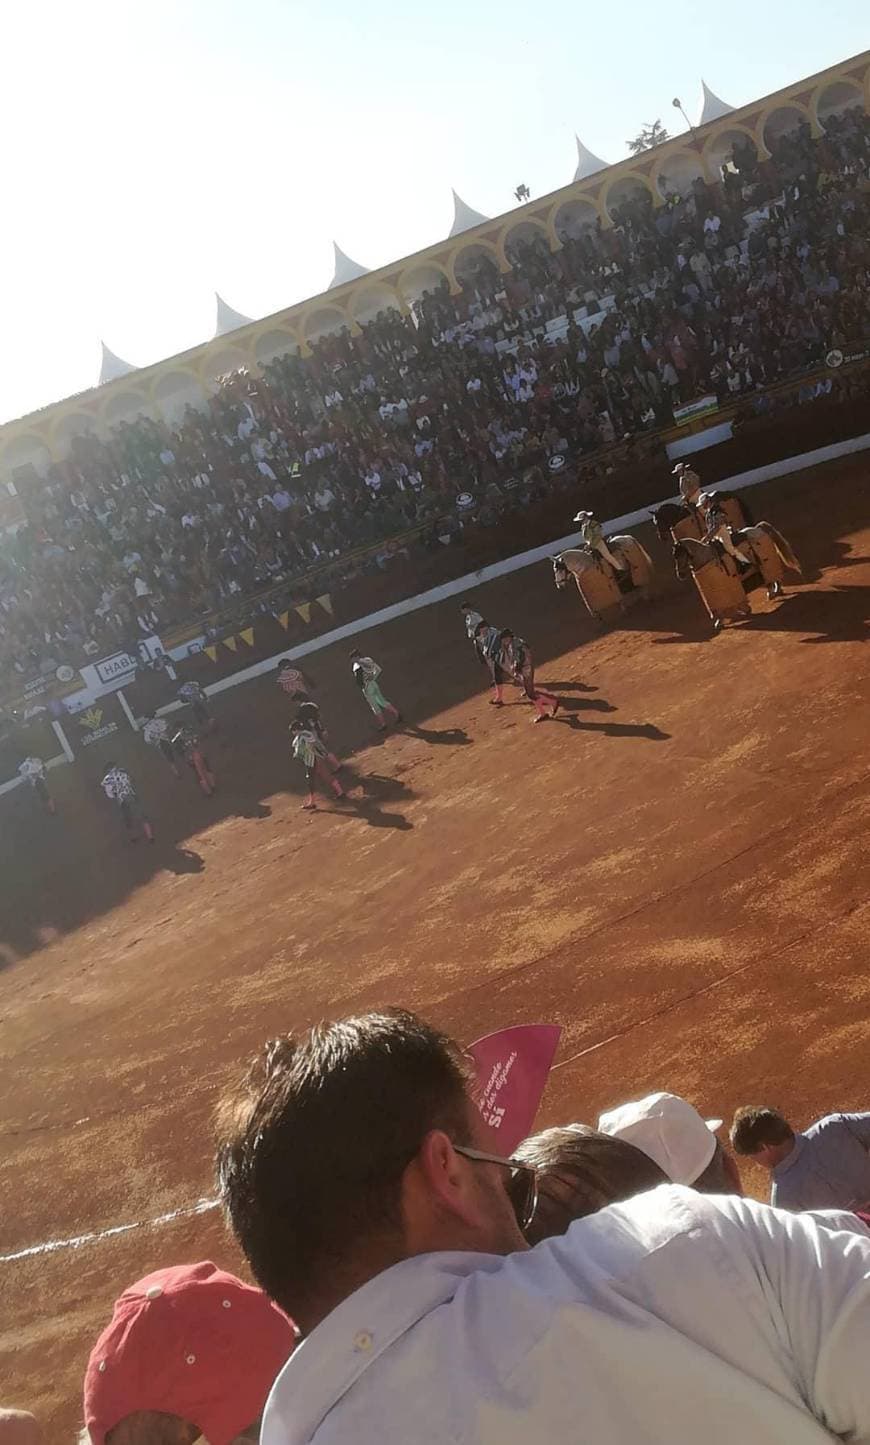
(422, 420)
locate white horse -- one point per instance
(598, 584)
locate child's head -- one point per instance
(284, 664)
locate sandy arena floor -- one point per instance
(676, 870)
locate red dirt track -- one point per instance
(676, 870)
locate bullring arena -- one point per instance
(675, 870)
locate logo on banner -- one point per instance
(118, 665)
(94, 727)
(512, 1068)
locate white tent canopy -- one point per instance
(345, 268)
(226, 319)
(112, 366)
(587, 163)
(713, 108)
(464, 217)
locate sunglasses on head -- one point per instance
(522, 1186)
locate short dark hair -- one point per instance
(587, 1171)
(756, 1125)
(313, 1143)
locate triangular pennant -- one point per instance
(211, 652)
(282, 618)
(326, 603)
(304, 610)
(247, 635)
(512, 1068)
(231, 643)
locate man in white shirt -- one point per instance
(359, 1178)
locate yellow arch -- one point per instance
(286, 331)
(165, 373)
(430, 265)
(35, 437)
(785, 104)
(619, 180)
(660, 166)
(73, 414)
(358, 295)
(580, 197)
(514, 224)
(310, 311)
(727, 130)
(224, 346)
(143, 402)
(847, 80)
(469, 244)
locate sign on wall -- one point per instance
(94, 724)
(111, 669)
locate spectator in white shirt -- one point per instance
(324, 497)
(354, 1166)
(281, 500)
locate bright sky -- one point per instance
(159, 150)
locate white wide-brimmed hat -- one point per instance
(668, 1129)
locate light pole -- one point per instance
(678, 105)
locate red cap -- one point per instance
(190, 1341)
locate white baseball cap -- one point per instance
(669, 1130)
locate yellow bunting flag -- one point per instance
(304, 610)
(326, 603)
(247, 635)
(230, 642)
(211, 652)
(283, 618)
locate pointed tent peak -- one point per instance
(464, 217)
(714, 108)
(345, 268)
(587, 163)
(226, 319)
(112, 366)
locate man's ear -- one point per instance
(446, 1178)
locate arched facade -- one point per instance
(274, 341)
(459, 261)
(780, 119)
(165, 389)
(365, 302)
(519, 229)
(627, 186)
(834, 97)
(718, 146)
(676, 172)
(415, 280)
(573, 216)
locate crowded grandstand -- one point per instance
(474, 403)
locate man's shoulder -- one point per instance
(828, 1124)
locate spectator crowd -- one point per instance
(468, 406)
(608, 1275)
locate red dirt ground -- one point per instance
(676, 871)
